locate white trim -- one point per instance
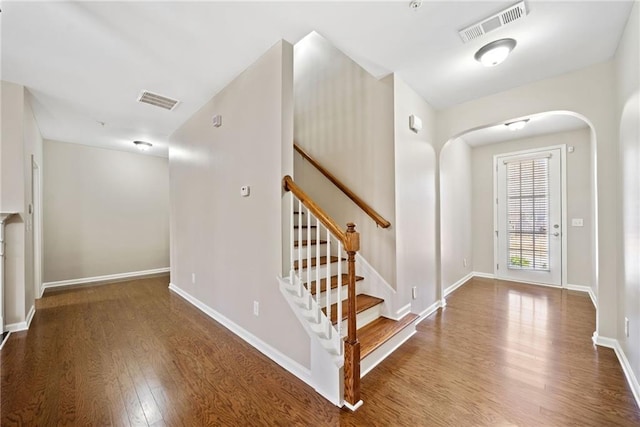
(105, 278)
(32, 312)
(403, 311)
(457, 284)
(351, 407)
(624, 362)
(483, 275)
(429, 311)
(5, 340)
(587, 289)
(284, 361)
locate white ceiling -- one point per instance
(85, 63)
(539, 124)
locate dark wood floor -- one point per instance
(133, 353)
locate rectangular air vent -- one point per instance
(493, 22)
(157, 100)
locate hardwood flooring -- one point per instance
(133, 353)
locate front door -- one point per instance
(529, 216)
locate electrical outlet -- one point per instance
(464, 262)
(256, 308)
(626, 326)
(193, 278)
(414, 292)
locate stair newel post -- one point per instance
(352, 345)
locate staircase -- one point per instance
(317, 289)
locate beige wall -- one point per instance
(627, 63)
(456, 191)
(579, 200)
(20, 140)
(105, 212)
(590, 93)
(344, 119)
(232, 244)
(415, 198)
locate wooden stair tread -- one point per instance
(323, 261)
(379, 331)
(334, 283)
(363, 302)
(304, 243)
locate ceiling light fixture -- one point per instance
(495, 52)
(518, 125)
(142, 145)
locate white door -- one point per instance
(529, 216)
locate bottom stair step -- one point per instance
(380, 331)
(363, 302)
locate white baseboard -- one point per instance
(30, 314)
(105, 278)
(403, 311)
(284, 361)
(429, 311)
(21, 326)
(2, 343)
(457, 284)
(587, 289)
(624, 362)
(483, 275)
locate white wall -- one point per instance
(590, 93)
(344, 120)
(579, 200)
(105, 212)
(232, 244)
(19, 141)
(456, 189)
(627, 75)
(415, 198)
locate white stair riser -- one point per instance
(363, 318)
(334, 295)
(323, 271)
(312, 249)
(381, 353)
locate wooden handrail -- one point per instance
(351, 241)
(325, 219)
(379, 219)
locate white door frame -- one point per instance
(563, 201)
(36, 203)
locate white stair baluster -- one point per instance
(339, 324)
(292, 244)
(330, 327)
(308, 248)
(299, 251)
(319, 311)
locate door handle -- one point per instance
(556, 234)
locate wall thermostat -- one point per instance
(415, 124)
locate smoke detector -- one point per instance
(500, 19)
(157, 100)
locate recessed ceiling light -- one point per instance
(520, 124)
(495, 52)
(142, 145)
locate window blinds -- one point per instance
(528, 214)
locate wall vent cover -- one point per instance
(157, 100)
(493, 22)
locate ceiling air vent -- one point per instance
(157, 100)
(510, 14)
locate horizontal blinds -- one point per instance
(528, 213)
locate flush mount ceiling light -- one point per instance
(495, 52)
(520, 124)
(142, 145)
